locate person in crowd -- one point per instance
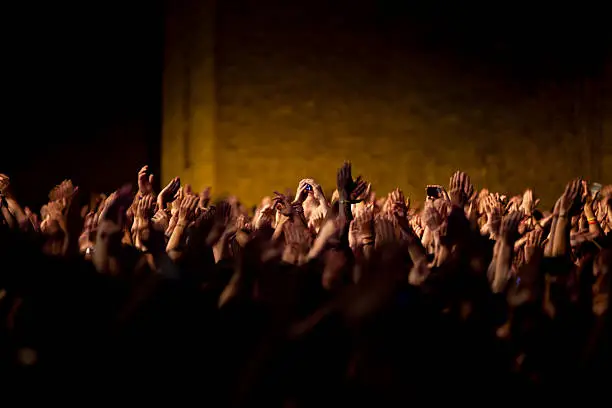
(305, 301)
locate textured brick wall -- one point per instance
(296, 94)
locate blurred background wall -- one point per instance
(285, 90)
(252, 95)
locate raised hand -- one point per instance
(385, 232)
(529, 203)
(243, 223)
(461, 189)
(604, 206)
(180, 221)
(33, 218)
(361, 190)
(145, 181)
(570, 201)
(344, 181)
(432, 217)
(206, 217)
(109, 233)
(317, 218)
(440, 192)
(305, 188)
(116, 205)
(145, 208)
(48, 213)
(223, 213)
(54, 194)
(349, 189)
(510, 225)
(5, 182)
(416, 223)
(481, 199)
(283, 205)
(297, 243)
(494, 210)
(223, 229)
(222, 221)
(60, 210)
(514, 204)
(386, 207)
(533, 245)
(187, 211)
(63, 192)
(168, 193)
(264, 216)
(362, 226)
(67, 190)
(398, 207)
(310, 195)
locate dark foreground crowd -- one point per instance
(164, 297)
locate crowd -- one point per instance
(305, 301)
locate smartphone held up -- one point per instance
(434, 192)
(595, 189)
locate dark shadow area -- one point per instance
(82, 83)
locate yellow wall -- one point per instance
(188, 136)
(288, 98)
